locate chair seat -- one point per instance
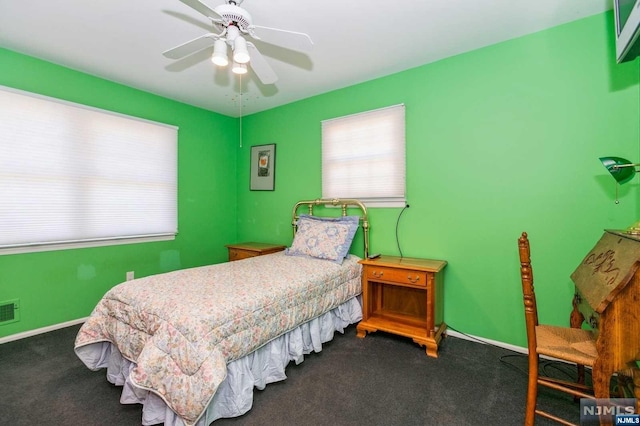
(569, 344)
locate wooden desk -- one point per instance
(244, 250)
(608, 297)
(404, 296)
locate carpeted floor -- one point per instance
(379, 380)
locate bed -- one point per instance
(192, 345)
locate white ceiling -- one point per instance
(354, 41)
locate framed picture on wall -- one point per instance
(263, 167)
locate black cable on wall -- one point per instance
(397, 225)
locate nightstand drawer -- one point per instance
(246, 250)
(237, 254)
(399, 276)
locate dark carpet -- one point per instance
(380, 380)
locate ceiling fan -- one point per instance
(232, 24)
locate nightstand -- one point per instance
(245, 250)
(404, 296)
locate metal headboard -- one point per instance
(344, 203)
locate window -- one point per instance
(363, 157)
(72, 176)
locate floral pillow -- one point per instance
(324, 237)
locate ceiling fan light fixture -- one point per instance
(219, 56)
(239, 68)
(240, 51)
(234, 25)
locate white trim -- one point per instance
(482, 340)
(42, 330)
(34, 248)
(503, 345)
(449, 332)
(381, 203)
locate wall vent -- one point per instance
(9, 311)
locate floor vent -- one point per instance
(9, 312)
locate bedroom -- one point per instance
(499, 140)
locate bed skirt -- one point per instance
(234, 396)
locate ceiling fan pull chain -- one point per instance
(240, 76)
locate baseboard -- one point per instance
(450, 332)
(497, 343)
(503, 345)
(42, 330)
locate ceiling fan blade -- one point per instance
(190, 47)
(260, 66)
(204, 9)
(289, 39)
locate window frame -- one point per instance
(72, 136)
(343, 140)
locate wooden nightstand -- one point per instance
(245, 250)
(404, 296)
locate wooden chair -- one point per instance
(572, 345)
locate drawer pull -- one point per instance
(414, 279)
(377, 274)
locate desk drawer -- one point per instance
(401, 276)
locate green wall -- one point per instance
(500, 140)
(59, 286)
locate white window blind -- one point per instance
(72, 174)
(363, 157)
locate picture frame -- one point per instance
(263, 167)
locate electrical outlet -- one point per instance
(130, 275)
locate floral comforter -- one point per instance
(182, 328)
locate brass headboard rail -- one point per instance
(344, 203)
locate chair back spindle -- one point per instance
(550, 340)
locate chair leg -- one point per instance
(532, 391)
